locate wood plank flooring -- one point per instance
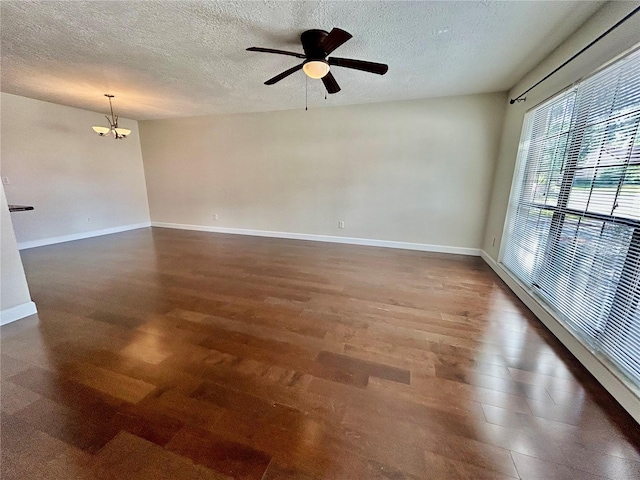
(167, 354)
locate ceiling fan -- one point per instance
(317, 45)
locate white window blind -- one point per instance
(573, 234)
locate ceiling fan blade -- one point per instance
(284, 74)
(336, 37)
(371, 67)
(279, 52)
(330, 83)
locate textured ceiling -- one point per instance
(174, 59)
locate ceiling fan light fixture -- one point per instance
(316, 69)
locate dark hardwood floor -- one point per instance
(167, 354)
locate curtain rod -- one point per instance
(520, 98)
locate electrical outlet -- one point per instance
(5, 180)
(215, 216)
(341, 224)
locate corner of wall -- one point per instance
(15, 299)
(485, 242)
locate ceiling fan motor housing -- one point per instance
(312, 44)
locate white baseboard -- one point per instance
(423, 247)
(627, 394)
(12, 314)
(80, 236)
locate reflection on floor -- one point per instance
(183, 355)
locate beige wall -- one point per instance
(13, 284)
(416, 171)
(617, 42)
(55, 162)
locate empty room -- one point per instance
(308, 240)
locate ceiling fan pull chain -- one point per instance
(306, 93)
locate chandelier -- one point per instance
(113, 128)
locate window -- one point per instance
(573, 234)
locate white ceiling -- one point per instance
(174, 59)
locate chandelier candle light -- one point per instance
(113, 128)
